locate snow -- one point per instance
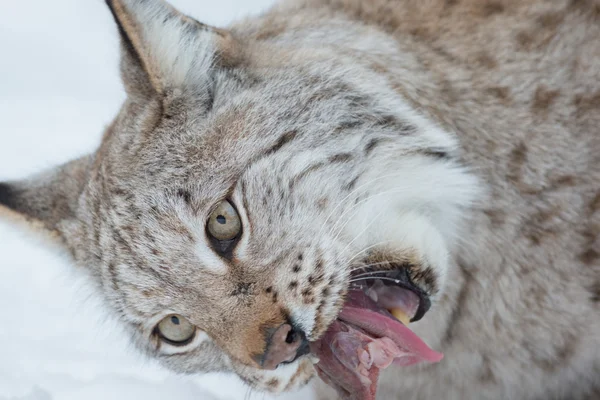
(59, 87)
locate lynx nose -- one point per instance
(284, 345)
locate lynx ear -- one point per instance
(49, 200)
(164, 49)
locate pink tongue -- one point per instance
(351, 358)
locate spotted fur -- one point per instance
(456, 138)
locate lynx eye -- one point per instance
(176, 329)
(224, 222)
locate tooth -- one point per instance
(400, 316)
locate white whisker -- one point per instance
(383, 278)
(354, 191)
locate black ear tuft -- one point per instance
(7, 196)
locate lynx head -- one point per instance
(237, 191)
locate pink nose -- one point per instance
(283, 346)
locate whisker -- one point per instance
(383, 278)
(366, 249)
(363, 231)
(367, 274)
(356, 205)
(354, 208)
(354, 191)
(370, 265)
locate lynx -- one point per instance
(401, 197)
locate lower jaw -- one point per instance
(371, 334)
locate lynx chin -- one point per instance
(397, 198)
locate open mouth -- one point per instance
(371, 333)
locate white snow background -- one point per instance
(59, 88)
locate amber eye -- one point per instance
(224, 222)
(176, 329)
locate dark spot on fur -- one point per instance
(355, 99)
(308, 300)
(421, 32)
(293, 284)
(273, 383)
(344, 125)
(492, 8)
(534, 237)
(282, 141)
(319, 265)
(486, 60)
(371, 145)
(307, 292)
(590, 234)
(539, 225)
(399, 127)
(443, 51)
(242, 289)
(388, 120)
(589, 257)
(316, 279)
(275, 296)
(117, 191)
(321, 306)
(185, 195)
(340, 158)
(439, 154)
(564, 181)
(524, 40)
(325, 292)
(500, 92)
(543, 98)
(517, 158)
(297, 268)
(350, 185)
(300, 257)
(269, 289)
(486, 375)
(595, 292)
(595, 203)
(495, 216)
(587, 104)
(590, 8)
(322, 203)
(550, 20)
